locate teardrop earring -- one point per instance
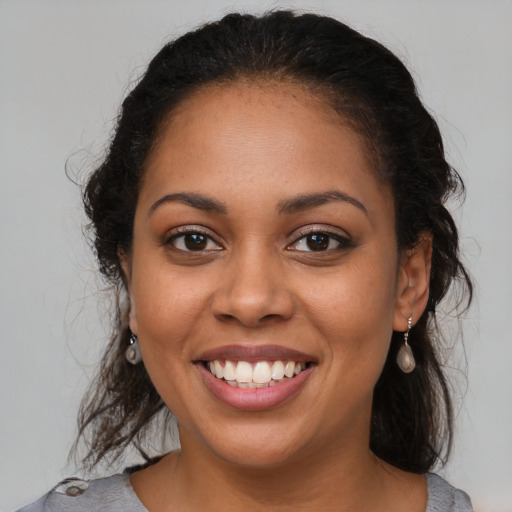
(405, 357)
(132, 353)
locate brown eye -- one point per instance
(193, 241)
(317, 242)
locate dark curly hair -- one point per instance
(368, 86)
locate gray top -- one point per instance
(115, 494)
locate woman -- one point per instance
(271, 213)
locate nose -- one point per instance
(254, 290)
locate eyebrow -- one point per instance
(288, 206)
(310, 201)
(195, 200)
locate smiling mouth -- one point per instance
(260, 374)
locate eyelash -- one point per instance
(181, 233)
(343, 242)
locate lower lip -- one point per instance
(258, 398)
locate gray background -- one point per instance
(64, 68)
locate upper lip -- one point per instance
(254, 353)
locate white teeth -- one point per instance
(229, 371)
(277, 370)
(289, 369)
(219, 372)
(261, 374)
(243, 372)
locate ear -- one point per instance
(124, 260)
(413, 283)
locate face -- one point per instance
(263, 276)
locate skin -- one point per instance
(253, 148)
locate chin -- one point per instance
(258, 456)
(250, 444)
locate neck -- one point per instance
(343, 478)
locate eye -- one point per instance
(193, 241)
(318, 241)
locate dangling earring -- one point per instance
(405, 357)
(132, 353)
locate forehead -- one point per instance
(248, 134)
(272, 107)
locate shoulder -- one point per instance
(111, 494)
(442, 497)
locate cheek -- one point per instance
(353, 306)
(168, 307)
(357, 289)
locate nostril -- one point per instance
(224, 317)
(246, 319)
